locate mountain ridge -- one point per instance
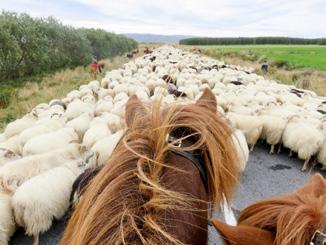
(155, 38)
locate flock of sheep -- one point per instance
(43, 153)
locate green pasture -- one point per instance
(297, 56)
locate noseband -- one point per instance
(195, 156)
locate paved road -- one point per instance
(265, 176)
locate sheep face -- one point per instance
(7, 155)
(85, 153)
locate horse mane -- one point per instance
(293, 218)
(126, 201)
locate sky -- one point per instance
(214, 18)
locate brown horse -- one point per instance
(298, 218)
(157, 186)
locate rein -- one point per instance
(195, 157)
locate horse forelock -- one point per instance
(123, 202)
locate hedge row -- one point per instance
(252, 41)
(29, 46)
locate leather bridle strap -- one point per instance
(198, 161)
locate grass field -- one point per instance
(297, 56)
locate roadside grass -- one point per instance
(18, 97)
(36, 90)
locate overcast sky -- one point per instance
(232, 18)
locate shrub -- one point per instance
(280, 63)
(9, 118)
(30, 46)
(5, 96)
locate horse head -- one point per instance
(156, 187)
(292, 219)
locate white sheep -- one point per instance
(45, 197)
(50, 141)
(113, 121)
(85, 90)
(75, 94)
(81, 124)
(38, 129)
(78, 107)
(220, 110)
(241, 147)
(89, 99)
(12, 144)
(103, 105)
(41, 106)
(251, 126)
(104, 92)
(57, 102)
(120, 97)
(132, 88)
(95, 133)
(113, 84)
(103, 149)
(121, 88)
(7, 155)
(67, 100)
(54, 111)
(191, 91)
(16, 127)
(243, 110)
(142, 95)
(321, 157)
(2, 138)
(94, 85)
(304, 138)
(119, 108)
(152, 84)
(17, 172)
(55, 121)
(7, 221)
(273, 128)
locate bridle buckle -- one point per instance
(174, 141)
(318, 238)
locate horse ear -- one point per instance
(208, 100)
(317, 186)
(134, 108)
(243, 235)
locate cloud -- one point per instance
(299, 18)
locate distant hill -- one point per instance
(153, 38)
(252, 41)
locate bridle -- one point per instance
(318, 238)
(195, 156)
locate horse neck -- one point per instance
(189, 227)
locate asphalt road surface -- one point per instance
(265, 176)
